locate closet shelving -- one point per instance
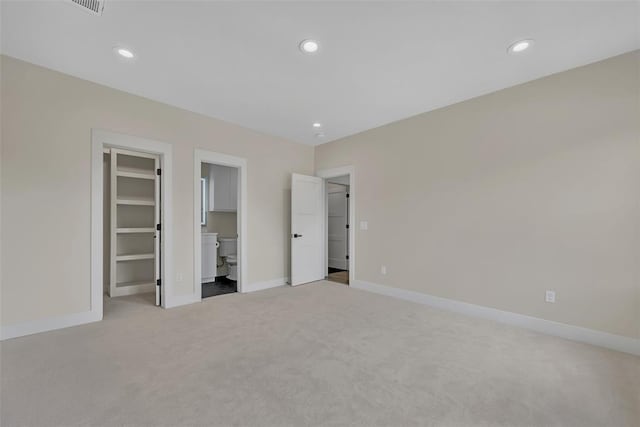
(135, 257)
(138, 201)
(135, 214)
(135, 230)
(133, 172)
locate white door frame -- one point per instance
(333, 173)
(100, 140)
(211, 157)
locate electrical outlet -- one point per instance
(364, 225)
(383, 269)
(550, 296)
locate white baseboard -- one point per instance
(563, 330)
(48, 324)
(268, 284)
(179, 300)
(59, 322)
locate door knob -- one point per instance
(296, 235)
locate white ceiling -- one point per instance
(379, 61)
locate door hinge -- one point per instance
(347, 256)
(347, 225)
(159, 171)
(347, 195)
(158, 282)
(158, 227)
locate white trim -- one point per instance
(97, 188)
(49, 324)
(99, 140)
(333, 173)
(180, 300)
(562, 330)
(268, 284)
(205, 156)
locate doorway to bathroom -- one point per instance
(219, 224)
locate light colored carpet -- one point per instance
(319, 354)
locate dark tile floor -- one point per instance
(221, 286)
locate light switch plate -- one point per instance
(550, 296)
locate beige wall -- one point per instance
(491, 201)
(46, 133)
(223, 223)
(494, 200)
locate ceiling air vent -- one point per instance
(94, 7)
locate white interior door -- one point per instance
(307, 229)
(337, 225)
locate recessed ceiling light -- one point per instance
(520, 46)
(317, 125)
(309, 46)
(125, 53)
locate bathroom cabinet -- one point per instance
(223, 189)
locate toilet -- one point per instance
(228, 249)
